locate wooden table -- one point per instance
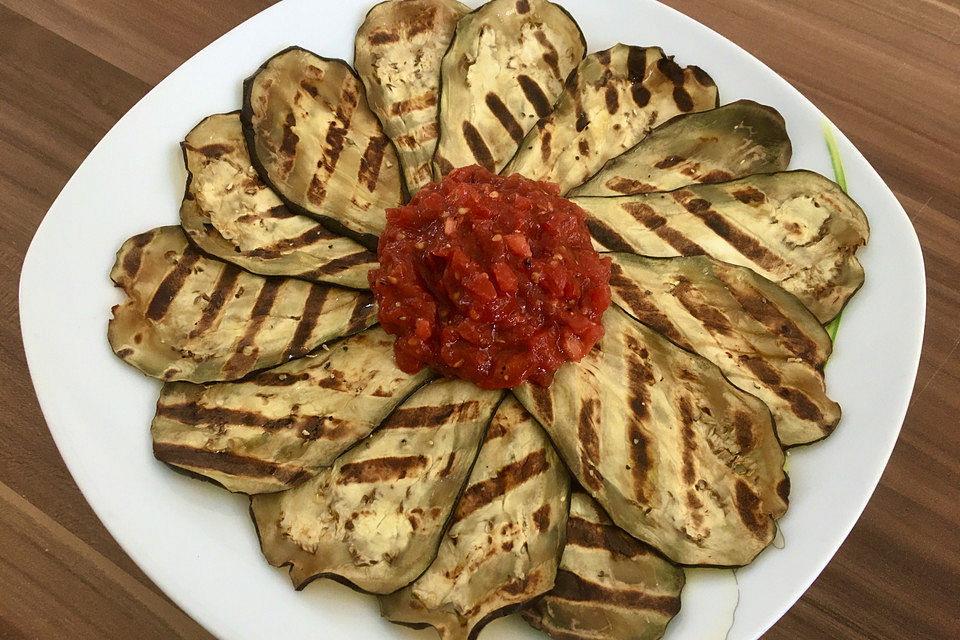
(887, 72)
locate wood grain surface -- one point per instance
(887, 72)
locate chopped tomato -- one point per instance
(490, 278)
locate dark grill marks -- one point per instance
(171, 284)
(569, 586)
(582, 120)
(342, 264)
(447, 468)
(627, 186)
(535, 95)
(502, 113)
(481, 153)
(800, 404)
(589, 444)
(612, 99)
(670, 69)
(245, 355)
(383, 37)
(307, 86)
(288, 142)
(215, 150)
(702, 76)
(683, 99)
(674, 73)
(743, 428)
(316, 192)
(717, 175)
(431, 417)
(543, 401)
(286, 245)
(643, 309)
(334, 139)
(645, 215)
(708, 316)
(308, 321)
(687, 437)
(783, 489)
(417, 103)
(133, 256)
(669, 161)
(545, 150)
(508, 477)
(636, 64)
(363, 308)
(788, 334)
(749, 195)
(550, 55)
(387, 469)
(746, 245)
(191, 413)
(371, 161)
(223, 289)
(606, 236)
(748, 506)
(421, 22)
(228, 463)
(640, 95)
(541, 518)
(443, 165)
(594, 535)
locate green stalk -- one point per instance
(841, 179)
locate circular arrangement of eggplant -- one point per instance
(576, 505)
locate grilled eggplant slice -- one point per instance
(796, 228)
(609, 586)
(375, 518)
(677, 456)
(726, 143)
(504, 70)
(398, 51)
(280, 427)
(762, 338)
(315, 141)
(230, 213)
(505, 538)
(611, 102)
(190, 317)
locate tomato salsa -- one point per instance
(490, 278)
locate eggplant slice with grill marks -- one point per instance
(376, 517)
(505, 538)
(762, 338)
(677, 456)
(609, 586)
(313, 139)
(611, 102)
(398, 51)
(796, 228)
(736, 140)
(504, 70)
(280, 427)
(190, 317)
(230, 213)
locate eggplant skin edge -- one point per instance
(368, 240)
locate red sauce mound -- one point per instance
(489, 278)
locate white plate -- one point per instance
(196, 541)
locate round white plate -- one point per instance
(197, 542)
